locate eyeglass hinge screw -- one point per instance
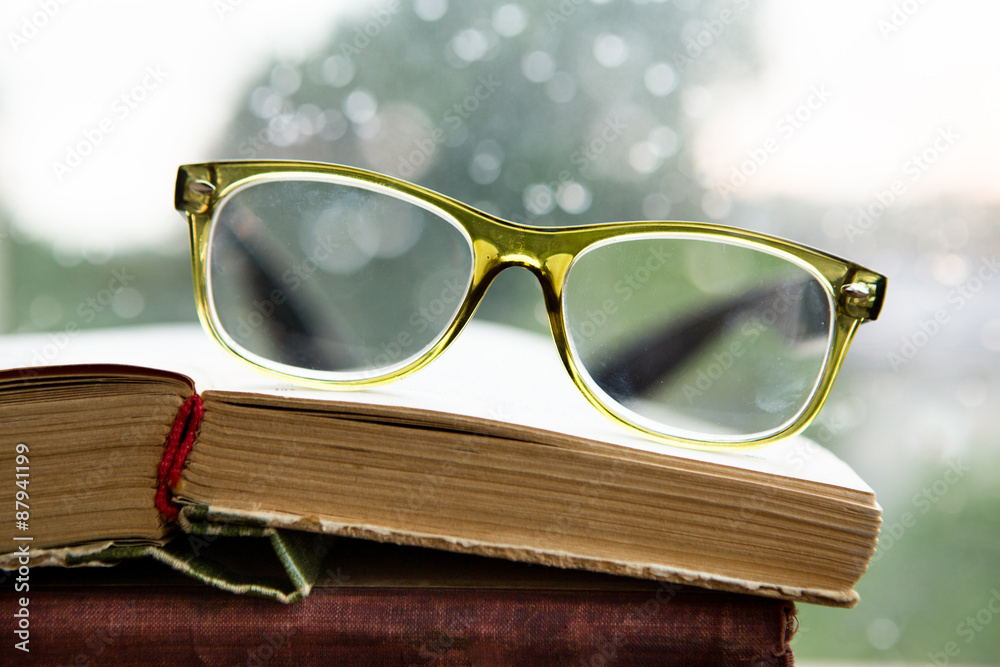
(201, 187)
(856, 291)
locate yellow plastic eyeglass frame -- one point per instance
(546, 252)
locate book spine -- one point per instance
(179, 442)
(416, 627)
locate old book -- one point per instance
(490, 451)
(380, 604)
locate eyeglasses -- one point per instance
(695, 334)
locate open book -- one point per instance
(490, 450)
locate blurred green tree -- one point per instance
(560, 112)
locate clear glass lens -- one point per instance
(697, 338)
(334, 275)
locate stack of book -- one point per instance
(487, 519)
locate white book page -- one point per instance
(491, 372)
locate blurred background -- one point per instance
(865, 128)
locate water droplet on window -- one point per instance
(470, 45)
(610, 50)
(430, 10)
(643, 158)
(128, 303)
(285, 79)
(265, 103)
(538, 66)
(486, 162)
(310, 119)
(338, 71)
(509, 20)
(664, 141)
(883, 633)
(539, 199)
(334, 125)
(360, 106)
(660, 79)
(574, 198)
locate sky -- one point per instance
(149, 86)
(871, 88)
(101, 101)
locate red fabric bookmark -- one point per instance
(175, 452)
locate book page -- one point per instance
(490, 372)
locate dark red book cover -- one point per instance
(479, 612)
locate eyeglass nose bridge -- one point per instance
(500, 245)
(531, 249)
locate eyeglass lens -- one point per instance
(697, 338)
(333, 276)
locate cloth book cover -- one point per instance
(381, 604)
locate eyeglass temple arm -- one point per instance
(639, 367)
(298, 330)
